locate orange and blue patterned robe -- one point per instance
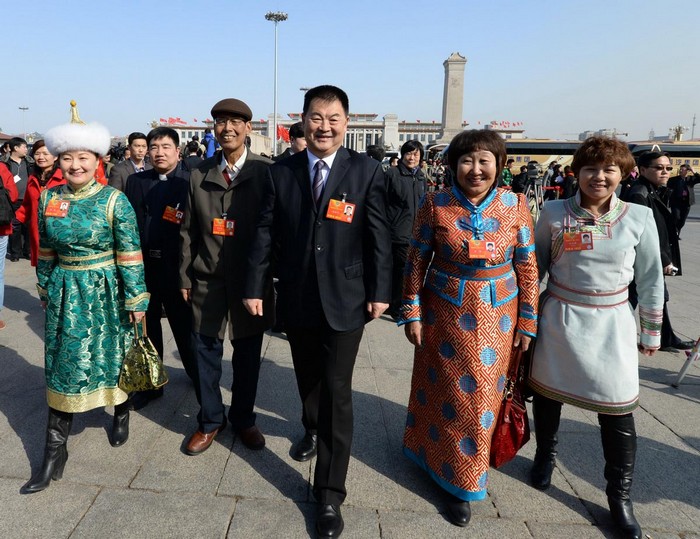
(90, 273)
(469, 310)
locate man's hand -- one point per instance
(523, 341)
(253, 306)
(376, 309)
(186, 294)
(414, 333)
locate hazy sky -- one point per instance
(560, 67)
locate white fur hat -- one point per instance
(68, 137)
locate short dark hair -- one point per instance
(296, 130)
(411, 146)
(647, 158)
(605, 150)
(327, 93)
(193, 146)
(14, 142)
(510, 161)
(376, 152)
(135, 136)
(475, 140)
(163, 132)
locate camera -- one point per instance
(674, 270)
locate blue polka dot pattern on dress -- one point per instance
(467, 446)
(488, 356)
(426, 232)
(508, 253)
(408, 268)
(432, 375)
(429, 317)
(441, 199)
(447, 471)
(410, 420)
(447, 350)
(524, 234)
(501, 383)
(527, 308)
(440, 280)
(505, 323)
(421, 398)
(448, 411)
(467, 383)
(463, 223)
(491, 225)
(433, 433)
(485, 293)
(511, 284)
(467, 322)
(509, 199)
(421, 453)
(487, 419)
(483, 480)
(447, 251)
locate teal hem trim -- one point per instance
(467, 496)
(403, 322)
(529, 316)
(534, 336)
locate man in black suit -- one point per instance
(297, 142)
(682, 194)
(159, 196)
(135, 163)
(334, 270)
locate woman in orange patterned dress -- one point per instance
(470, 296)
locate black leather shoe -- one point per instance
(459, 512)
(120, 425)
(684, 345)
(305, 449)
(670, 349)
(329, 521)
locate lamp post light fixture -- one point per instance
(276, 17)
(24, 127)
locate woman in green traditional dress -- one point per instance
(91, 284)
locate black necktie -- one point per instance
(318, 181)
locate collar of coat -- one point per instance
(212, 173)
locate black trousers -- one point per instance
(18, 245)
(324, 361)
(680, 214)
(166, 293)
(209, 352)
(399, 253)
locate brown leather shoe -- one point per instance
(200, 441)
(252, 438)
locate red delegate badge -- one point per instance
(174, 215)
(339, 210)
(57, 208)
(578, 241)
(223, 227)
(480, 249)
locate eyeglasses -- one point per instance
(235, 122)
(661, 168)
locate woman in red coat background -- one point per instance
(8, 182)
(44, 174)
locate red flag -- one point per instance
(171, 120)
(282, 133)
(195, 120)
(163, 121)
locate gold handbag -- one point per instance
(142, 368)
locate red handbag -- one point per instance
(512, 430)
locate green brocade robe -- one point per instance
(90, 273)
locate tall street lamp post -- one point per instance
(24, 127)
(276, 17)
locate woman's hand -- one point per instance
(414, 333)
(646, 351)
(521, 340)
(136, 316)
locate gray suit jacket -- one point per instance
(120, 172)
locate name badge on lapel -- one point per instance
(223, 227)
(340, 210)
(57, 208)
(174, 215)
(578, 241)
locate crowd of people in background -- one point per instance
(319, 240)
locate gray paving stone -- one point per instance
(128, 513)
(410, 525)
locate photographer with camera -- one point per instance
(651, 191)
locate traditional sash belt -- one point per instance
(588, 299)
(99, 260)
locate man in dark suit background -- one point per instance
(682, 194)
(297, 142)
(135, 163)
(334, 276)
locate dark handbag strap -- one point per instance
(514, 366)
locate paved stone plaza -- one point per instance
(150, 488)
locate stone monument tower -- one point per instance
(453, 97)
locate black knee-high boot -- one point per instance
(546, 413)
(55, 454)
(120, 425)
(620, 448)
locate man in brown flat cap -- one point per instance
(222, 208)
